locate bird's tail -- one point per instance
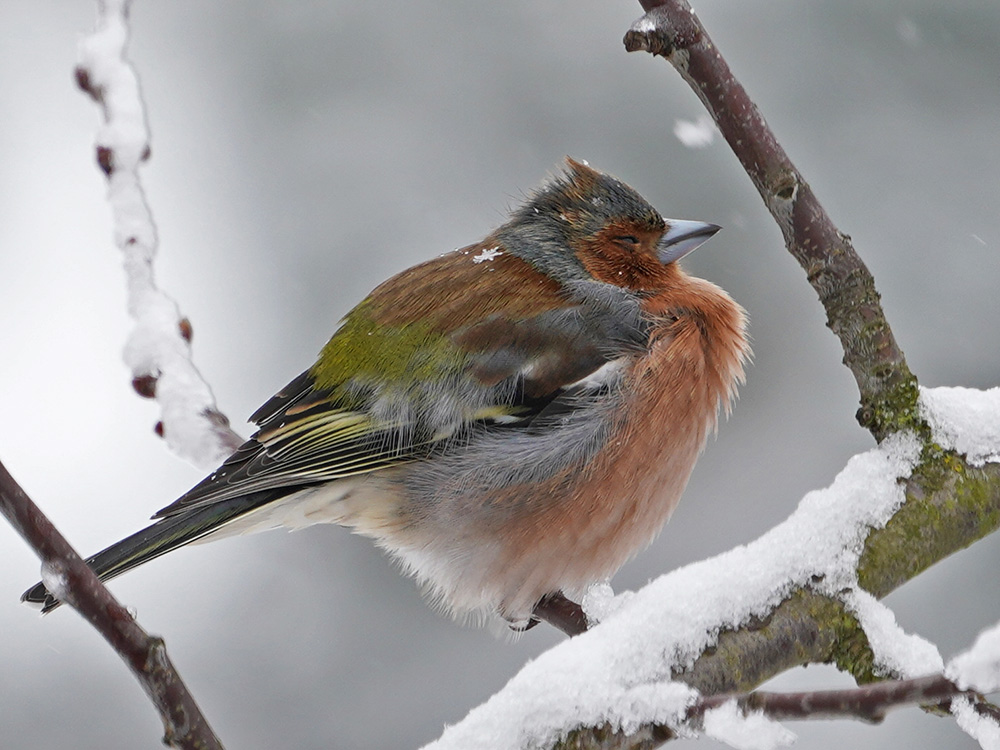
(159, 538)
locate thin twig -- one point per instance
(868, 703)
(888, 389)
(183, 723)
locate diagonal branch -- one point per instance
(845, 287)
(183, 723)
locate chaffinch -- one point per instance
(511, 420)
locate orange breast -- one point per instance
(616, 506)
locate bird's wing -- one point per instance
(429, 355)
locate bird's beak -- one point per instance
(682, 237)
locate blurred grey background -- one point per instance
(304, 151)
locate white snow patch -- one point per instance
(985, 731)
(660, 703)
(54, 578)
(599, 602)
(751, 732)
(487, 255)
(966, 420)
(979, 667)
(695, 134)
(644, 25)
(897, 654)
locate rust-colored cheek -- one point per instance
(609, 258)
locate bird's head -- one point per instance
(614, 234)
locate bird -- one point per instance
(512, 420)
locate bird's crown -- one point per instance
(583, 201)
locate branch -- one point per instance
(159, 348)
(941, 515)
(561, 613)
(870, 704)
(183, 723)
(845, 287)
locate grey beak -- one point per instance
(682, 237)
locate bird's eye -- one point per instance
(627, 240)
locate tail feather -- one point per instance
(165, 535)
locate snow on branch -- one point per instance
(621, 674)
(959, 420)
(158, 350)
(979, 667)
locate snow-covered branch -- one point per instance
(791, 597)
(158, 350)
